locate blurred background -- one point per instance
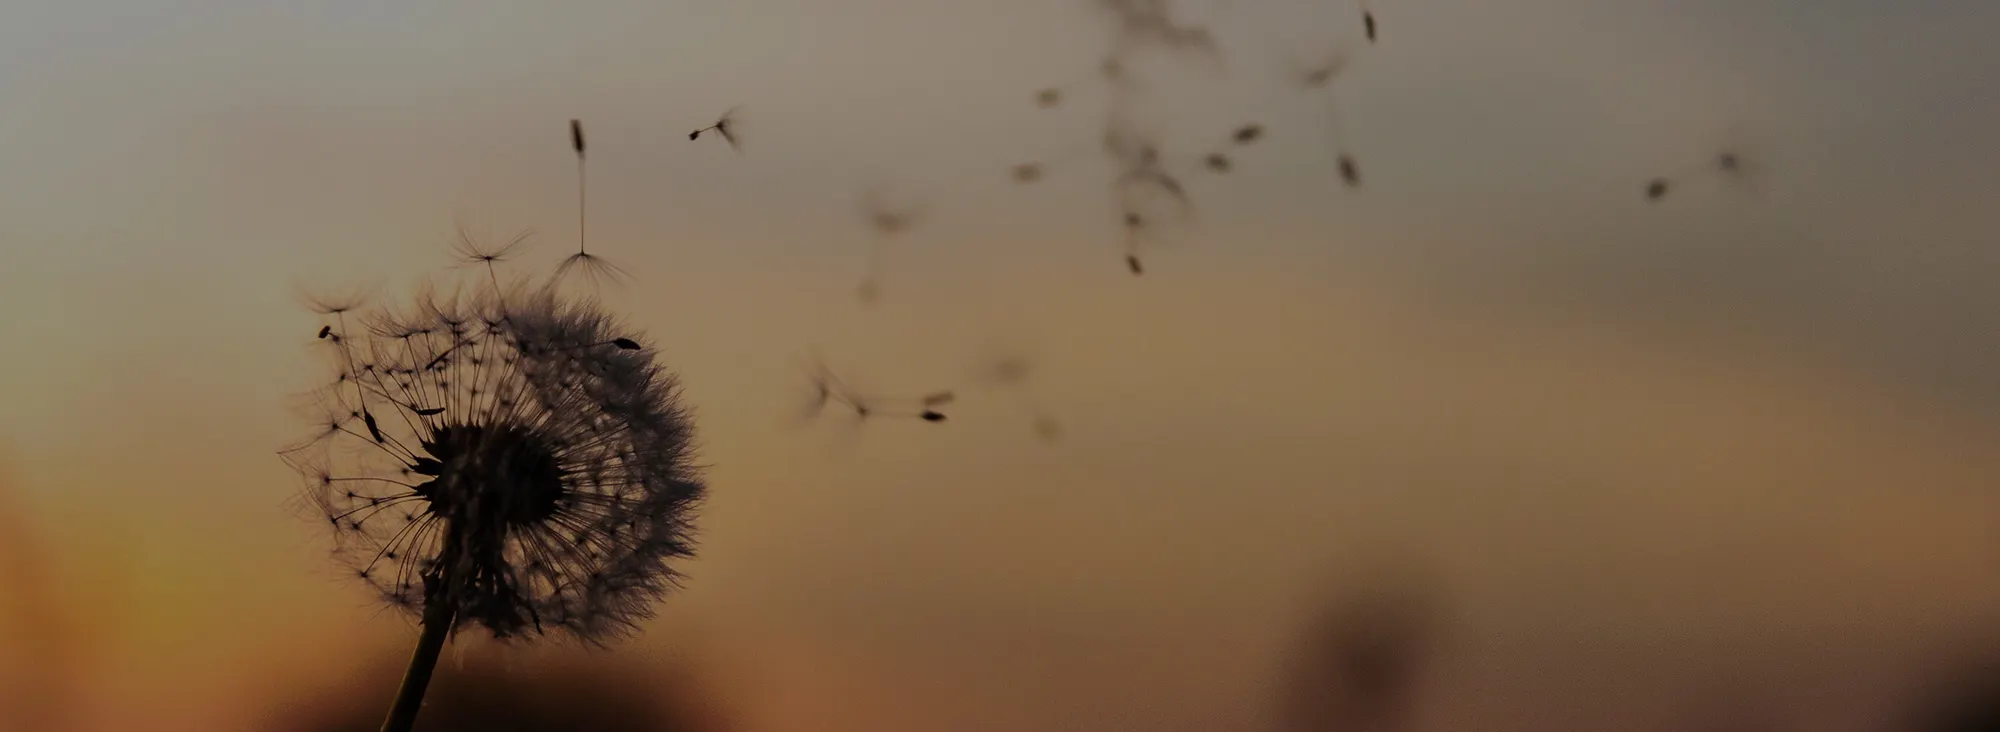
(1615, 464)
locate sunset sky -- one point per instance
(1732, 442)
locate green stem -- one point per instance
(410, 698)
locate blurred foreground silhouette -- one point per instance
(1359, 662)
(1966, 699)
(489, 693)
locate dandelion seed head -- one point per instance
(523, 460)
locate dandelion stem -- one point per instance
(410, 698)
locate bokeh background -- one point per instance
(1724, 451)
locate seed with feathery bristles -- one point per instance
(728, 125)
(828, 388)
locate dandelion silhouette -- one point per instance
(829, 389)
(728, 126)
(595, 269)
(508, 460)
(889, 216)
(1319, 78)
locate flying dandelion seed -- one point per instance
(1219, 161)
(1151, 23)
(1035, 171)
(1319, 78)
(890, 216)
(1739, 159)
(595, 269)
(513, 461)
(1012, 372)
(1656, 189)
(729, 126)
(472, 253)
(1728, 165)
(829, 389)
(1133, 225)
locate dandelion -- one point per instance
(512, 461)
(1152, 22)
(1728, 164)
(1013, 371)
(890, 216)
(1319, 78)
(828, 389)
(728, 126)
(1134, 226)
(594, 268)
(1737, 160)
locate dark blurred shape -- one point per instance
(828, 388)
(593, 694)
(1247, 134)
(1027, 172)
(1217, 162)
(726, 126)
(1656, 189)
(1965, 700)
(1047, 98)
(1357, 667)
(1349, 171)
